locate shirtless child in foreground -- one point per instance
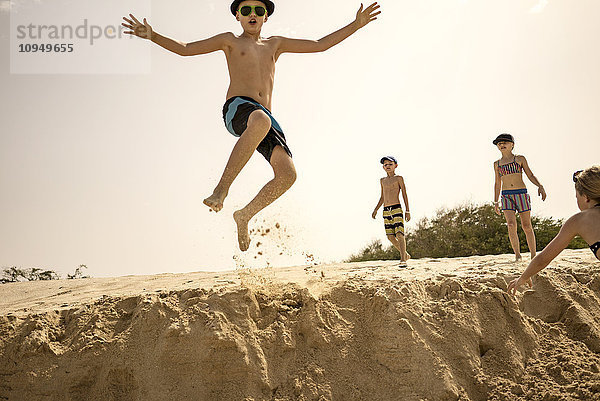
(393, 216)
(251, 62)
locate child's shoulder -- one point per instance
(584, 218)
(227, 38)
(520, 158)
(577, 221)
(394, 179)
(230, 35)
(271, 40)
(500, 162)
(588, 215)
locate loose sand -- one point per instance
(442, 329)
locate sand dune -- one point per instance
(443, 329)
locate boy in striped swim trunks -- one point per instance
(393, 216)
(508, 172)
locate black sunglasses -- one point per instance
(246, 10)
(576, 174)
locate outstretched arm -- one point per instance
(567, 232)
(363, 17)
(533, 179)
(145, 31)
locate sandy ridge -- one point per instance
(443, 330)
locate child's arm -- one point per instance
(145, 31)
(497, 187)
(567, 232)
(378, 203)
(533, 178)
(287, 45)
(218, 42)
(405, 197)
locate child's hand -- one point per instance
(374, 214)
(497, 208)
(368, 15)
(143, 31)
(407, 216)
(542, 192)
(513, 286)
(516, 283)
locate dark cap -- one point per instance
(504, 138)
(390, 158)
(268, 5)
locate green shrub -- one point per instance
(464, 230)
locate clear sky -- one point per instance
(109, 170)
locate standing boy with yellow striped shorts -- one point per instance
(393, 217)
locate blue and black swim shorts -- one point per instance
(236, 112)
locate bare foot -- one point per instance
(214, 202)
(242, 230)
(408, 256)
(518, 258)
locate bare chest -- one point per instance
(390, 184)
(246, 54)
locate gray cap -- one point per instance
(390, 158)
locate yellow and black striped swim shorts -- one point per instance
(393, 218)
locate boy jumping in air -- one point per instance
(247, 111)
(393, 217)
